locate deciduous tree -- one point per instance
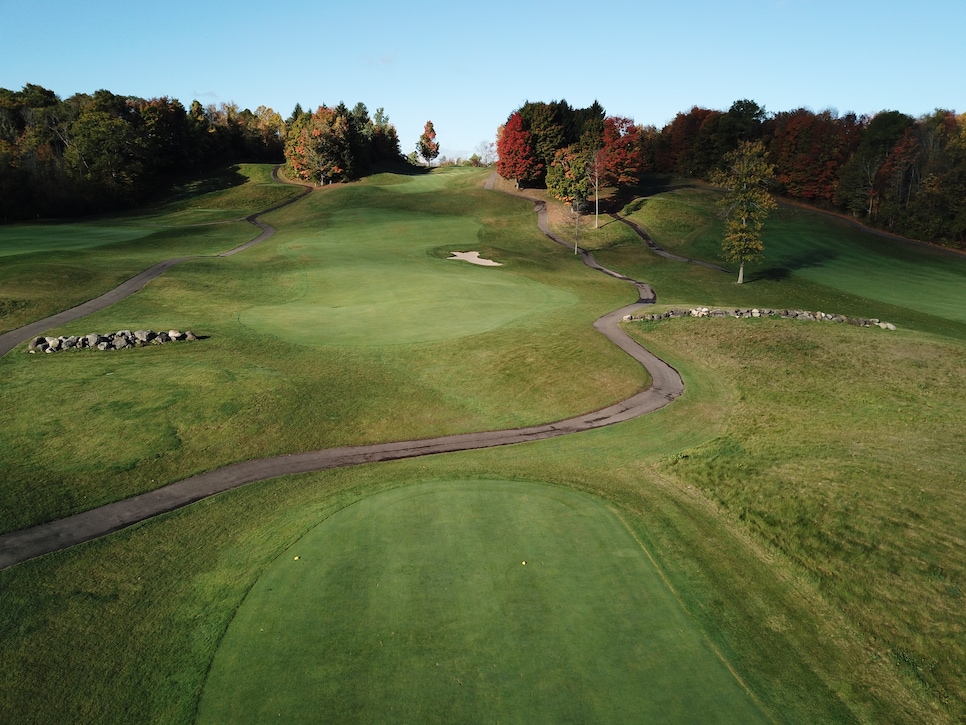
(567, 177)
(517, 160)
(427, 147)
(321, 147)
(745, 175)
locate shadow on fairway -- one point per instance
(220, 180)
(790, 265)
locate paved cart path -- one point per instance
(18, 546)
(9, 340)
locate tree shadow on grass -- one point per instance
(788, 266)
(220, 179)
(401, 167)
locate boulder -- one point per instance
(38, 343)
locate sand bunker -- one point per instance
(474, 258)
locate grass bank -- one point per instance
(52, 267)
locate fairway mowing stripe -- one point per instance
(674, 592)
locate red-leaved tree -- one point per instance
(517, 159)
(427, 146)
(622, 163)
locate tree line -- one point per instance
(100, 152)
(336, 144)
(890, 170)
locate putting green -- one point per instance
(371, 277)
(464, 601)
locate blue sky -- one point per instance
(466, 66)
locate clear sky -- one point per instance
(467, 66)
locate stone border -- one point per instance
(119, 340)
(762, 312)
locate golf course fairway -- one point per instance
(473, 600)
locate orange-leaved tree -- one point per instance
(427, 146)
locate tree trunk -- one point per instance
(741, 272)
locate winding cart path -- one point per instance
(18, 546)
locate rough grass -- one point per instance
(801, 497)
(48, 268)
(838, 454)
(131, 421)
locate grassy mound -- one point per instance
(51, 267)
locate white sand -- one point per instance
(474, 258)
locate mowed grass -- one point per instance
(47, 268)
(439, 597)
(811, 260)
(373, 276)
(801, 498)
(131, 421)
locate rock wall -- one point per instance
(111, 341)
(787, 314)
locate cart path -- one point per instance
(666, 386)
(9, 340)
(653, 246)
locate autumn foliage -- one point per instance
(336, 144)
(745, 175)
(427, 147)
(101, 151)
(889, 170)
(517, 155)
(570, 150)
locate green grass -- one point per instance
(801, 499)
(442, 596)
(373, 276)
(24, 239)
(837, 456)
(252, 390)
(52, 267)
(812, 261)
